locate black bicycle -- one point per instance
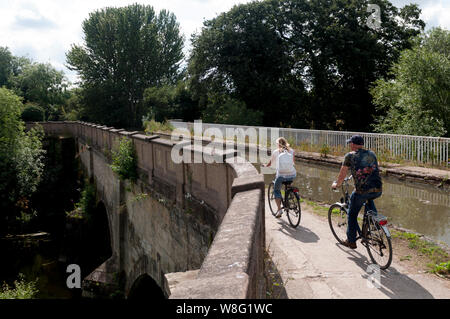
(373, 232)
(290, 202)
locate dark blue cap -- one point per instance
(356, 139)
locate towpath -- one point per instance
(313, 265)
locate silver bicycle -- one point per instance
(374, 234)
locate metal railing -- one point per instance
(388, 147)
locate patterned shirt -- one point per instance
(364, 167)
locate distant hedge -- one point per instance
(32, 113)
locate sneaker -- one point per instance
(279, 213)
(349, 245)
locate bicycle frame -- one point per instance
(289, 188)
(367, 217)
(372, 233)
(344, 201)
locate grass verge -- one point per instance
(431, 256)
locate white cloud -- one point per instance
(45, 29)
(434, 12)
(437, 14)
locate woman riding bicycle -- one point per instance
(283, 159)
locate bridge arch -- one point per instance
(145, 287)
(102, 226)
(99, 236)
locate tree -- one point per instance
(344, 56)
(33, 113)
(38, 83)
(126, 50)
(417, 100)
(226, 110)
(306, 63)
(170, 101)
(43, 85)
(241, 54)
(21, 156)
(6, 59)
(11, 66)
(73, 109)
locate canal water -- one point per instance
(37, 260)
(421, 208)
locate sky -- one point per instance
(44, 30)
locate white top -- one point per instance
(274, 160)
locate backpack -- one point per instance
(285, 163)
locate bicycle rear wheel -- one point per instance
(271, 199)
(294, 212)
(378, 244)
(337, 218)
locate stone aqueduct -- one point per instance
(196, 229)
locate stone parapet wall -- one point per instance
(231, 189)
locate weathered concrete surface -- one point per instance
(234, 266)
(313, 265)
(227, 286)
(103, 281)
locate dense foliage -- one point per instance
(22, 289)
(169, 102)
(39, 85)
(33, 113)
(288, 63)
(126, 50)
(302, 63)
(21, 157)
(417, 100)
(5, 65)
(124, 160)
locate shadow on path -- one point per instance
(394, 284)
(301, 233)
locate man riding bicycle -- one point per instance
(368, 186)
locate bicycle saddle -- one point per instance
(287, 183)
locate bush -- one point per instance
(33, 113)
(21, 156)
(124, 160)
(170, 101)
(154, 126)
(23, 289)
(87, 203)
(226, 110)
(324, 150)
(416, 101)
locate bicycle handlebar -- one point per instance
(346, 179)
(345, 182)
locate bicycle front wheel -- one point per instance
(294, 212)
(271, 199)
(378, 244)
(337, 218)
